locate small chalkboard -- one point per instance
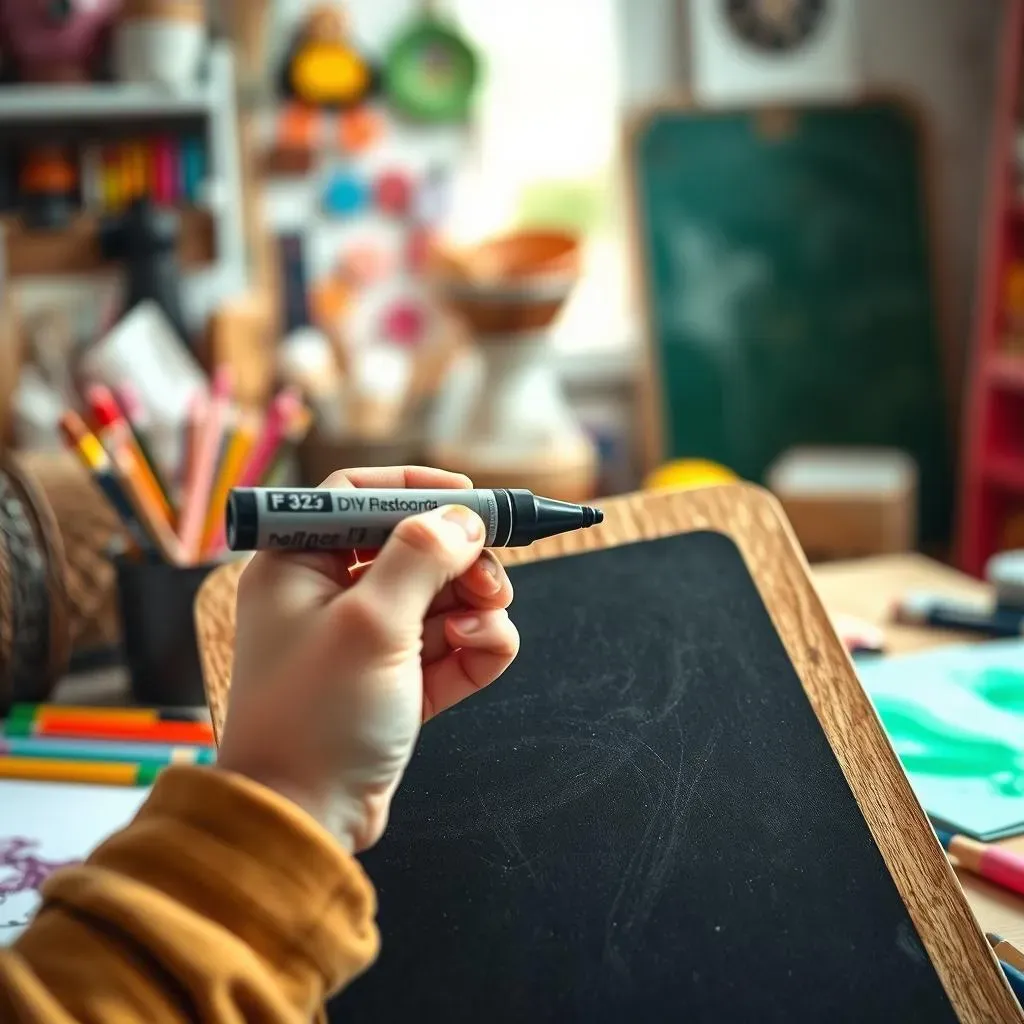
(643, 821)
(679, 803)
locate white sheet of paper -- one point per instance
(45, 825)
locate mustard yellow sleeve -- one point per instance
(221, 903)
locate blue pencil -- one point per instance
(103, 750)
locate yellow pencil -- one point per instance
(98, 773)
(231, 466)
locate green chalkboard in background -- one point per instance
(787, 275)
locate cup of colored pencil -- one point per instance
(174, 516)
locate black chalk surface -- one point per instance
(642, 821)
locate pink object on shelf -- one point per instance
(404, 323)
(364, 264)
(393, 191)
(56, 43)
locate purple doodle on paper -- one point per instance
(21, 871)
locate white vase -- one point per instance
(517, 426)
(161, 51)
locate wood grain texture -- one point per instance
(753, 519)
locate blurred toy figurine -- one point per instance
(323, 68)
(55, 40)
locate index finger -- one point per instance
(399, 476)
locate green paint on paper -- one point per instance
(955, 717)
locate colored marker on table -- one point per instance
(921, 609)
(102, 750)
(92, 723)
(97, 773)
(86, 445)
(993, 863)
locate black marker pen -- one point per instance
(302, 519)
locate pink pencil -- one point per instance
(204, 467)
(280, 416)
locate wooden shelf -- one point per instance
(75, 249)
(100, 102)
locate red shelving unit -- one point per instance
(992, 476)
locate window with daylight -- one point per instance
(546, 143)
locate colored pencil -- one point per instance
(129, 473)
(196, 499)
(135, 716)
(86, 445)
(104, 750)
(98, 773)
(127, 397)
(993, 863)
(116, 435)
(175, 733)
(283, 409)
(238, 450)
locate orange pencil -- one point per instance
(117, 436)
(196, 499)
(140, 496)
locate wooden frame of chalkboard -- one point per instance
(753, 519)
(651, 410)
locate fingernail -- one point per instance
(491, 571)
(467, 625)
(471, 523)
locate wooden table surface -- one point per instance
(868, 588)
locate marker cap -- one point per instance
(242, 526)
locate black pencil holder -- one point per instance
(156, 602)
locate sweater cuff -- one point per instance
(245, 857)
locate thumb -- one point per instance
(423, 553)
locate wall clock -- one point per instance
(775, 25)
(769, 52)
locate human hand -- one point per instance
(337, 663)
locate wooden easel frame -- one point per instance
(926, 883)
(651, 414)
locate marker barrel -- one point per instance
(304, 519)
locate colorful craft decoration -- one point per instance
(345, 194)
(394, 191)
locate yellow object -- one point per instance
(44, 769)
(326, 73)
(686, 474)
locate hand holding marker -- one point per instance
(327, 519)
